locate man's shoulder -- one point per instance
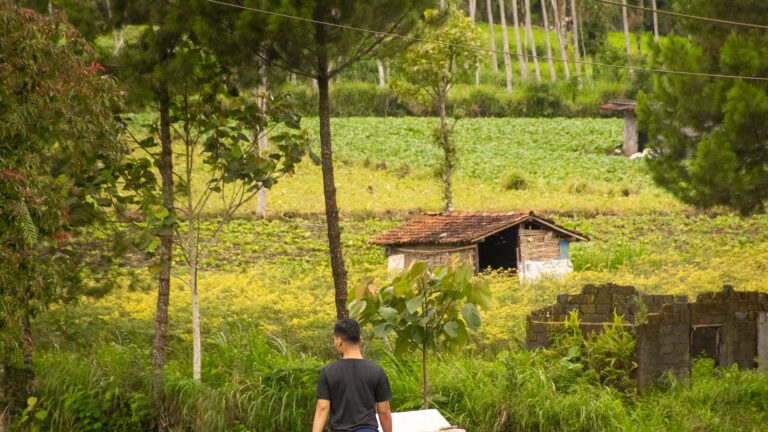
(353, 363)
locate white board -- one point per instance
(418, 421)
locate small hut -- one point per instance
(634, 139)
(530, 244)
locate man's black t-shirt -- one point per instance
(353, 386)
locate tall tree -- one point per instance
(709, 136)
(426, 73)
(494, 59)
(505, 47)
(561, 39)
(655, 22)
(625, 25)
(531, 41)
(550, 63)
(59, 151)
(320, 52)
(518, 44)
(576, 49)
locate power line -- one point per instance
(488, 50)
(684, 15)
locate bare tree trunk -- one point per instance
(448, 156)
(576, 54)
(28, 348)
(639, 39)
(550, 63)
(329, 184)
(197, 348)
(4, 402)
(655, 22)
(382, 76)
(531, 41)
(165, 263)
(263, 141)
(424, 383)
(494, 60)
(624, 19)
(562, 41)
(472, 10)
(442, 4)
(518, 45)
(505, 46)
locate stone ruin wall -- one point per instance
(663, 325)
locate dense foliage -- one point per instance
(709, 134)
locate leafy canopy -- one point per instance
(710, 136)
(425, 308)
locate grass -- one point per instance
(267, 297)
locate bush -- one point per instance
(514, 180)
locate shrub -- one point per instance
(514, 180)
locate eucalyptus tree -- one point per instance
(59, 153)
(313, 38)
(505, 47)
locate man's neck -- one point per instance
(352, 352)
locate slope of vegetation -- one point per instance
(267, 299)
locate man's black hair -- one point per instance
(348, 330)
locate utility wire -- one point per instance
(684, 15)
(488, 50)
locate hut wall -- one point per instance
(402, 257)
(539, 245)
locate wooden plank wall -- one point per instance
(539, 244)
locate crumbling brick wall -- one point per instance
(664, 325)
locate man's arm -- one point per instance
(385, 416)
(321, 415)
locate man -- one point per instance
(352, 389)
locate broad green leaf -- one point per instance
(417, 269)
(389, 314)
(413, 304)
(471, 316)
(481, 294)
(381, 330)
(418, 334)
(356, 308)
(451, 328)
(31, 402)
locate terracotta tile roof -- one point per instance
(460, 228)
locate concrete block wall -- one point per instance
(663, 325)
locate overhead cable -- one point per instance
(488, 50)
(684, 15)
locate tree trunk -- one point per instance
(531, 41)
(165, 262)
(28, 348)
(505, 46)
(472, 10)
(639, 38)
(624, 19)
(562, 41)
(494, 60)
(263, 142)
(382, 76)
(424, 384)
(197, 348)
(655, 22)
(576, 54)
(518, 45)
(550, 63)
(4, 402)
(448, 156)
(329, 184)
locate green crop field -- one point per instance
(267, 298)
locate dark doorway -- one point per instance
(705, 341)
(499, 251)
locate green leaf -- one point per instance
(356, 308)
(418, 334)
(451, 328)
(381, 330)
(389, 314)
(471, 316)
(31, 402)
(41, 415)
(413, 304)
(481, 294)
(417, 269)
